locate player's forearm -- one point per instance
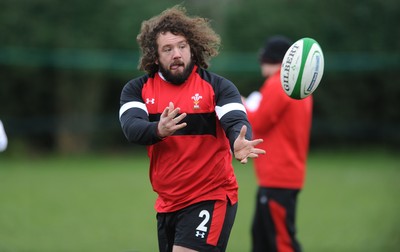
(232, 123)
(140, 131)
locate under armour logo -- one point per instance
(263, 199)
(148, 101)
(202, 234)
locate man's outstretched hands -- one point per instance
(243, 149)
(169, 121)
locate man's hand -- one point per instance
(168, 123)
(243, 149)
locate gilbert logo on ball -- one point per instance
(302, 68)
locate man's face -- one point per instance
(174, 57)
(268, 69)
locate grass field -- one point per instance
(105, 203)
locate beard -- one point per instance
(177, 78)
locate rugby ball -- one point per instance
(302, 68)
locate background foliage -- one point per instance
(63, 65)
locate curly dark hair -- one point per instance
(203, 40)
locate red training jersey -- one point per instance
(284, 124)
(195, 163)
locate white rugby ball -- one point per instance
(302, 68)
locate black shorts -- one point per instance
(274, 221)
(204, 226)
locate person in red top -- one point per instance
(284, 124)
(191, 121)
